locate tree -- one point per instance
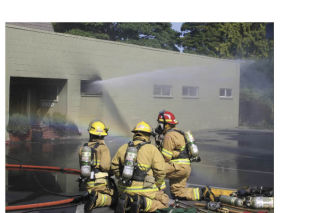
(226, 40)
(240, 41)
(257, 93)
(157, 35)
(222, 40)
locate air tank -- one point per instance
(129, 163)
(193, 148)
(231, 200)
(261, 202)
(85, 167)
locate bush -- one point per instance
(256, 110)
(18, 125)
(256, 104)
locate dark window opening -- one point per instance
(50, 93)
(91, 88)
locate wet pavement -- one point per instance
(234, 158)
(230, 158)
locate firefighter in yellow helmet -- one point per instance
(178, 169)
(95, 162)
(140, 168)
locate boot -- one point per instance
(114, 202)
(138, 203)
(90, 201)
(207, 194)
(122, 203)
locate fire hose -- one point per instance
(39, 205)
(42, 168)
(47, 168)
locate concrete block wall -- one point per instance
(129, 73)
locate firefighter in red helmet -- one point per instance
(175, 151)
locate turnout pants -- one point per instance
(104, 193)
(178, 172)
(155, 199)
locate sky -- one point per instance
(176, 26)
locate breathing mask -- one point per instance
(160, 128)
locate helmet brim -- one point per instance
(100, 134)
(168, 121)
(137, 131)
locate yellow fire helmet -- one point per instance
(98, 128)
(142, 127)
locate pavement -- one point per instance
(231, 158)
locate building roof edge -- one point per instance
(119, 43)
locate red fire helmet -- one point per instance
(168, 117)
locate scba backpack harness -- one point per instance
(131, 170)
(191, 150)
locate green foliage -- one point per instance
(258, 75)
(18, 125)
(88, 34)
(88, 27)
(255, 109)
(222, 40)
(226, 40)
(157, 35)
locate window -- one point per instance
(190, 92)
(162, 91)
(225, 93)
(91, 88)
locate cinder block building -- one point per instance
(121, 84)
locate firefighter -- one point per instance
(140, 168)
(178, 169)
(94, 165)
